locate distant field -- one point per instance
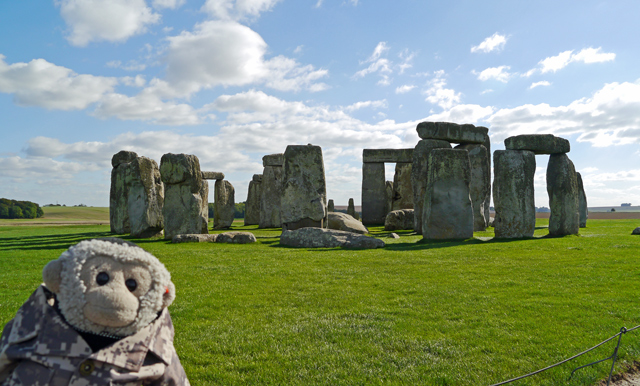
(65, 215)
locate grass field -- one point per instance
(472, 312)
(64, 215)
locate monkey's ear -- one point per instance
(168, 295)
(52, 275)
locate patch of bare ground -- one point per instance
(630, 377)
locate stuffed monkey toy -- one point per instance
(100, 318)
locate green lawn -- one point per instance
(473, 312)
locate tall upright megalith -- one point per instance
(402, 190)
(419, 173)
(252, 205)
(480, 183)
(447, 209)
(119, 192)
(304, 194)
(584, 211)
(513, 194)
(271, 191)
(145, 198)
(351, 209)
(186, 195)
(224, 204)
(562, 186)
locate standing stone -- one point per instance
(119, 194)
(185, 208)
(447, 210)
(224, 207)
(351, 209)
(479, 185)
(304, 196)
(419, 173)
(388, 198)
(374, 199)
(252, 205)
(562, 186)
(513, 195)
(584, 211)
(145, 198)
(271, 191)
(331, 207)
(402, 191)
(487, 201)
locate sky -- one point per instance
(233, 80)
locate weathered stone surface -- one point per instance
(636, 231)
(236, 238)
(513, 195)
(304, 195)
(399, 220)
(388, 198)
(194, 238)
(419, 173)
(146, 198)
(212, 176)
(330, 206)
(118, 200)
(123, 157)
(402, 190)
(345, 222)
(328, 238)
(373, 194)
(393, 236)
(387, 155)
(185, 209)
(257, 178)
(447, 210)
(491, 221)
(270, 197)
(480, 184)
(351, 208)
(487, 201)
(538, 143)
(562, 186)
(452, 132)
(273, 160)
(252, 205)
(224, 207)
(582, 201)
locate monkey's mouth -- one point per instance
(110, 316)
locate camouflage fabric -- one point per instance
(39, 348)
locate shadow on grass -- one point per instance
(41, 242)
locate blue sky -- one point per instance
(233, 80)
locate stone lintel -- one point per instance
(212, 176)
(538, 143)
(387, 155)
(452, 132)
(273, 160)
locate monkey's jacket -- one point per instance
(38, 347)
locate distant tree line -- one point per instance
(19, 209)
(238, 212)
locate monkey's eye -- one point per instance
(102, 278)
(131, 284)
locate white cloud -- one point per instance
(31, 168)
(538, 84)
(373, 104)
(563, 59)
(100, 20)
(378, 64)
(500, 74)
(171, 4)
(438, 94)
(43, 84)
(238, 9)
(131, 66)
(494, 42)
(404, 89)
(406, 58)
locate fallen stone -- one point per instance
(538, 143)
(212, 176)
(345, 222)
(447, 211)
(304, 190)
(513, 194)
(328, 238)
(387, 155)
(399, 220)
(452, 132)
(273, 160)
(123, 157)
(393, 236)
(194, 238)
(236, 238)
(582, 201)
(562, 187)
(419, 173)
(636, 231)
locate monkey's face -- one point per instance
(113, 290)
